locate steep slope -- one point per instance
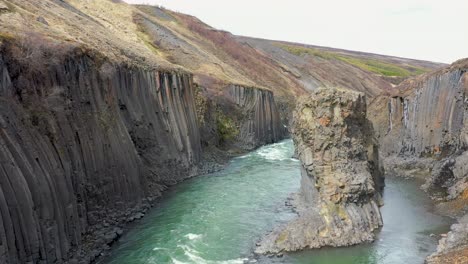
(316, 66)
(81, 147)
(210, 53)
(285, 68)
(424, 115)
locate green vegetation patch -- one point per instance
(226, 127)
(370, 65)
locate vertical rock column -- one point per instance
(338, 204)
(260, 121)
(83, 148)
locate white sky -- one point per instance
(432, 30)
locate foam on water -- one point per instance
(193, 236)
(194, 257)
(158, 248)
(175, 261)
(277, 151)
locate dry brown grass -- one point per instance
(101, 25)
(250, 62)
(37, 51)
(459, 256)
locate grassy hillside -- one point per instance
(154, 37)
(367, 64)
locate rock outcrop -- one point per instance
(423, 129)
(453, 247)
(339, 201)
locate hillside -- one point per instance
(316, 66)
(160, 38)
(285, 68)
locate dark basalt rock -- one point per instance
(427, 119)
(87, 145)
(261, 123)
(80, 146)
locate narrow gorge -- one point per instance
(137, 134)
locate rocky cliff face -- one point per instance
(427, 118)
(81, 145)
(423, 133)
(260, 123)
(424, 127)
(87, 144)
(341, 175)
(240, 118)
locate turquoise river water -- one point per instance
(218, 218)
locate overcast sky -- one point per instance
(422, 29)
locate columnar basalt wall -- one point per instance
(428, 118)
(81, 145)
(423, 132)
(260, 121)
(341, 175)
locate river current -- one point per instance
(218, 218)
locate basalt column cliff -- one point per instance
(341, 177)
(261, 123)
(423, 133)
(87, 143)
(81, 145)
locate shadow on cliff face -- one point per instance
(83, 143)
(87, 144)
(241, 118)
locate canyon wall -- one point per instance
(423, 132)
(240, 118)
(341, 175)
(81, 145)
(261, 123)
(427, 117)
(87, 145)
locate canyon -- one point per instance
(105, 105)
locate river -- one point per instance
(218, 218)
